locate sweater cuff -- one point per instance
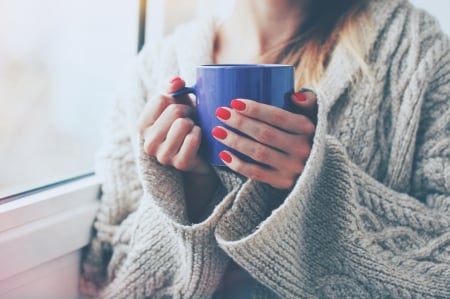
(250, 231)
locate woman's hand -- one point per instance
(170, 135)
(280, 140)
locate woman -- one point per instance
(354, 201)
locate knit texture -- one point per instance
(368, 218)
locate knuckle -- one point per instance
(163, 158)
(233, 142)
(150, 148)
(157, 103)
(277, 116)
(293, 164)
(183, 123)
(309, 128)
(265, 135)
(298, 167)
(163, 100)
(193, 139)
(257, 174)
(178, 111)
(260, 152)
(303, 150)
(181, 164)
(238, 121)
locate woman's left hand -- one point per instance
(281, 140)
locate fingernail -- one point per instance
(175, 79)
(223, 113)
(219, 133)
(238, 105)
(300, 97)
(225, 157)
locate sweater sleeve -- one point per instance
(340, 233)
(143, 245)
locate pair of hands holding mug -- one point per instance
(282, 140)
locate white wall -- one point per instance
(439, 8)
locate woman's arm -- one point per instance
(172, 138)
(144, 244)
(342, 233)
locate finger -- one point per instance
(256, 172)
(249, 118)
(152, 111)
(278, 139)
(188, 153)
(306, 104)
(174, 139)
(175, 85)
(154, 108)
(306, 100)
(259, 152)
(155, 134)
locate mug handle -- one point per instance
(183, 91)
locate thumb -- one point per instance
(175, 85)
(305, 99)
(305, 102)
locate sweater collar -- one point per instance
(196, 42)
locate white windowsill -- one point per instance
(38, 230)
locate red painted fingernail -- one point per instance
(238, 105)
(223, 113)
(219, 133)
(175, 79)
(225, 157)
(300, 97)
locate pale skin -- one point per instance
(281, 139)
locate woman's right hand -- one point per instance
(170, 135)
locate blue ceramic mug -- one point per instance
(218, 84)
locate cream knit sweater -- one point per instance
(368, 218)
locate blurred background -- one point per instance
(60, 64)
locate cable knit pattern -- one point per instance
(368, 218)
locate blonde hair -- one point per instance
(342, 24)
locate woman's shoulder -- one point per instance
(403, 19)
(404, 32)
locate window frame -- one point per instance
(43, 230)
(40, 228)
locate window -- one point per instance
(59, 62)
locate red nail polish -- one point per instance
(300, 97)
(238, 105)
(223, 113)
(175, 79)
(219, 133)
(225, 157)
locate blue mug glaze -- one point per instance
(218, 84)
